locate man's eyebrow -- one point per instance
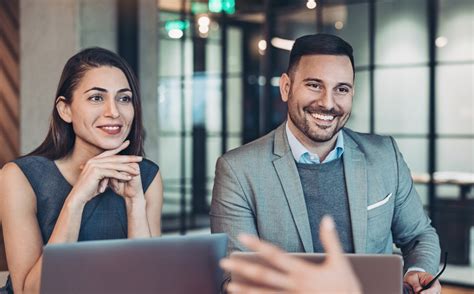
(321, 81)
(345, 84)
(313, 80)
(104, 90)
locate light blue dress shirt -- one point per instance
(302, 155)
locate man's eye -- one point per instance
(343, 90)
(315, 86)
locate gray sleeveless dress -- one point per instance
(104, 217)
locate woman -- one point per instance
(87, 180)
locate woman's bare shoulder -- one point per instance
(14, 183)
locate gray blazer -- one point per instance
(257, 190)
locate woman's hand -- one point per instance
(105, 168)
(131, 189)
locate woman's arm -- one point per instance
(23, 241)
(154, 205)
(144, 210)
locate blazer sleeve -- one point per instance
(231, 212)
(411, 227)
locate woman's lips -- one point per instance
(111, 129)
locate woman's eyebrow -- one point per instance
(105, 90)
(96, 89)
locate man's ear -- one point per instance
(64, 109)
(285, 86)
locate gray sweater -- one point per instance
(325, 192)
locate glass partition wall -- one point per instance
(200, 116)
(414, 72)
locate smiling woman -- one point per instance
(88, 180)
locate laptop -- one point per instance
(177, 264)
(377, 273)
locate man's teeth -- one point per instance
(322, 116)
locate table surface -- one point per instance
(446, 177)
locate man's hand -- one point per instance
(417, 280)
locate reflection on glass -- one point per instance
(456, 25)
(350, 22)
(213, 151)
(455, 155)
(213, 96)
(170, 157)
(234, 142)
(415, 153)
(170, 58)
(213, 58)
(169, 93)
(455, 99)
(401, 32)
(234, 105)
(234, 50)
(360, 116)
(295, 24)
(401, 100)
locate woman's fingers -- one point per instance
(114, 174)
(117, 159)
(115, 185)
(103, 185)
(130, 169)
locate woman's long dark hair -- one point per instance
(60, 139)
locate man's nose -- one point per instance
(326, 100)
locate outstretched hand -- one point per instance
(285, 273)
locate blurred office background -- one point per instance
(209, 73)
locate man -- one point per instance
(279, 186)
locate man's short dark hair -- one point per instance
(318, 44)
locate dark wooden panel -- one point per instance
(9, 97)
(9, 90)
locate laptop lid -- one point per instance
(377, 273)
(177, 264)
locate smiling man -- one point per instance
(280, 186)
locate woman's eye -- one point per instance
(125, 99)
(96, 98)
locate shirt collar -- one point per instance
(302, 155)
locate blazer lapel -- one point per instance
(286, 169)
(356, 182)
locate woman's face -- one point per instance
(101, 111)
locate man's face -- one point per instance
(319, 94)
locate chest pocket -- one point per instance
(380, 207)
(379, 222)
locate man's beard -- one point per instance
(316, 133)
